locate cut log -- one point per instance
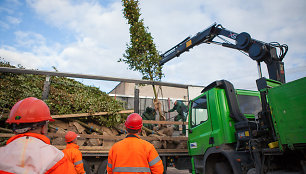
(60, 123)
(6, 130)
(89, 127)
(59, 141)
(89, 114)
(79, 127)
(168, 131)
(182, 145)
(107, 144)
(81, 141)
(157, 144)
(109, 131)
(94, 141)
(72, 128)
(171, 145)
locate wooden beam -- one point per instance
(84, 147)
(101, 149)
(105, 137)
(6, 130)
(165, 122)
(89, 114)
(4, 135)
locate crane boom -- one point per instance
(256, 50)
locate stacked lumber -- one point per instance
(99, 138)
(60, 128)
(105, 137)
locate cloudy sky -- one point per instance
(89, 37)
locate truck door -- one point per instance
(199, 126)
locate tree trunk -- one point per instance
(157, 105)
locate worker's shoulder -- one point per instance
(149, 146)
(145, 142)
(138, 140)
(35, 149)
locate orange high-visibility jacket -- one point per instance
(73, 153)
(134, 155)
(32, 153)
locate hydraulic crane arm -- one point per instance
(256, 50)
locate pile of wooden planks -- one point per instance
(99, 138)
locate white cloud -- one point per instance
(13, 20)
(101, 34)
(4, 25)
(266, 21)
(29, 39)
(25, 59)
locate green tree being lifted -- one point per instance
(141, 54)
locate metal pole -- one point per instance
(85, 76)
(46, 88)
(259, 70)
(136, 99)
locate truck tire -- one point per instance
(223, 168)
(86, 167)
(102, 168)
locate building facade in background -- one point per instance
(166, 95)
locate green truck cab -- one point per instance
(228, 132)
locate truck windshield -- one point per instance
(249, 104)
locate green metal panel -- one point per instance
(198, 139)
(222, 123)
(219, 125)
(288, 106)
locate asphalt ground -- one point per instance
(172, 170)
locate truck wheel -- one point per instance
(86, 167)
(223, 168)
(102, 168)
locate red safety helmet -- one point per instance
(29, 110)
(70, 136)
(133, 121)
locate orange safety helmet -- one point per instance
(29, 110)
(70, 136)
(133, 121)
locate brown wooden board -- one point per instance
(181, 138)
(100, 149)
(89, 114)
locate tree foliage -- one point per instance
(141, 53)
(66, 96)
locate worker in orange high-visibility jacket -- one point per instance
(132, 154)
(29, 151)
(73, 153)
